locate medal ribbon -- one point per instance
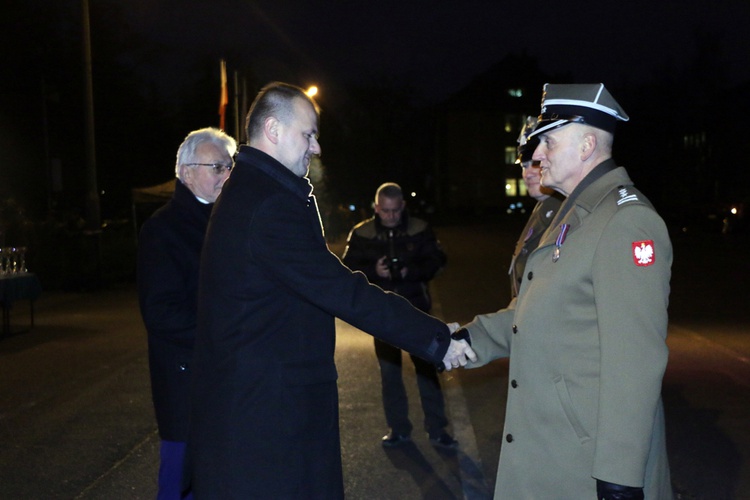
(563, 233)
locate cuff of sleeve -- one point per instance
(462, 334)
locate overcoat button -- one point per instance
(515, 329)
(509, 438)
(530, 275)
(513, 384)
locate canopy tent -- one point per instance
(160, 193)
(147, 200)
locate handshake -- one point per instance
(460, 351)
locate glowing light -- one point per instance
(413, 194)
(312, 91)
(734, 210)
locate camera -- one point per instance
(394, 263)
(394, 267)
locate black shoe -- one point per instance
(391, 440)
(444, 440)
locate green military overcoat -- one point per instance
(586, 340)
(541, 216)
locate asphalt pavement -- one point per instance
(76, 419)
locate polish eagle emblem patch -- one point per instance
(643, 253)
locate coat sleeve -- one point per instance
(167, 299)
(287, 241)
(631, 307)
(491, 335)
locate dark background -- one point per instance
(389, 73)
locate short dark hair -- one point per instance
(389, 190)
(275, 99)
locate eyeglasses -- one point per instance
(218, 168)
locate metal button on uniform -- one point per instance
(509, 438)
(530, 275)
(513, 383)
(515, 329)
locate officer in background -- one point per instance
(586, 335)
(548, 203)
(401, 254)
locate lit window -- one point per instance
(515, 92)
(510, 155)
(511, 187)
(522, 189)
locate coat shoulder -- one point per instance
(416, 226)
(624, 195)
(365, 229)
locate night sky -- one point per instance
(438, 46)
(155, 65)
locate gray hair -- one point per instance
(186, 151)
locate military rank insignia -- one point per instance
(643, 253)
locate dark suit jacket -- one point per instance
(265, 402)
(169, 247)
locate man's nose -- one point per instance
(315, 147)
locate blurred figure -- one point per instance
(264, 418)
(169, 247)
(401, 254)
(548, 203)
(587, 333)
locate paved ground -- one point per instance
(76, 420)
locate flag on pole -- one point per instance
(224, 98)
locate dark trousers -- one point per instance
(172, 455)
(395, 402)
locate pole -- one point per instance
(93, 214)
(93, 227)
(243, 109)
(236, 99)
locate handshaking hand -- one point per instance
(459, 352)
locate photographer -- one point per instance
(401, 254)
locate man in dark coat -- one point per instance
(401, 254)
(264, 421)
(169, 248)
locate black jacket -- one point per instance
(264, 418)
(169, 247)
(414, 246)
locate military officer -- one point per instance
(584, 416)
(547, 203)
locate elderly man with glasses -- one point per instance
(169, 247)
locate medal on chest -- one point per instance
(559, 242)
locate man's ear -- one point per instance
(186, 174)
(271, 129)
(588, 146)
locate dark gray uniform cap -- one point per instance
(588, 103)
